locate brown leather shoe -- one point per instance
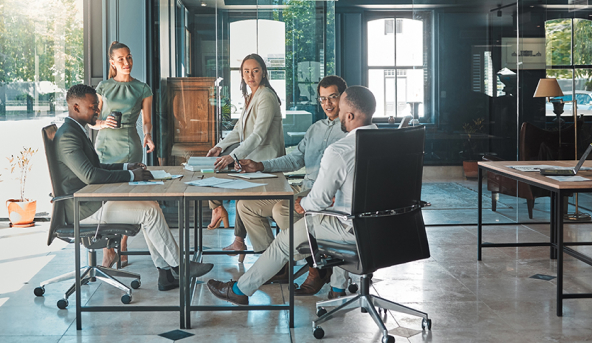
(313, 283)
(223, 290)
(335, 295)
(281, 277)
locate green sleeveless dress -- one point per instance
(121, 145)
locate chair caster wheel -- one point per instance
(388, 339)
(62, 304)
(321, 311)
(136, 284)
(39, 291)
(426, 323)
(353, 288)
(126, 298)
(318, 332)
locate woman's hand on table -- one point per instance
(223, 162)
(214, 152)
(148, 142)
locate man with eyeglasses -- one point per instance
(254, 213)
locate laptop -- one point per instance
(405, 122)
(568, 171)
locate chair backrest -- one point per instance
(538, 144)
(388, 176)
(58, 217)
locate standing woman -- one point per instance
(258, 131)
(129, 96)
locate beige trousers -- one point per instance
(161, 243)
(254, 213)
(274, 258)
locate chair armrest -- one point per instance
(338, 214)
(61, 197)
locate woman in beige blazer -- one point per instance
(258, 130)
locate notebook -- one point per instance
(567, 171)
(251, 176)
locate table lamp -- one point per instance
(549, 88)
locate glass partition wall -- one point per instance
(201, 99)
(467, 70)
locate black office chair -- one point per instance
(387, 220)
(93, 237)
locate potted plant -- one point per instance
(21, 212)
(470, 152)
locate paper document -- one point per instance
(257, 175)
(240, 184)
(160, 175)
(198, 163)
(568, 178)
(209, 182)
(532, 168)
(538, 167)
(224, 183)
(146, 183)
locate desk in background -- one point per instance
(558, 191)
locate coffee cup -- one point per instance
(117, 116)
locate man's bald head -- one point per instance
(361, 99)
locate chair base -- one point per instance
(369, 304)
(90, 274)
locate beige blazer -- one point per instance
(259, 129)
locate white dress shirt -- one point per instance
(336, 177)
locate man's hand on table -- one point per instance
(249, 166)
(132, 166)
(141, 174)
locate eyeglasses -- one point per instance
(331, 98)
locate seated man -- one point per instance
(254, 213)
(335, 179)
(78, 166)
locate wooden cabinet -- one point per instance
(192, 117)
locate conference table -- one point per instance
(178, 191)
(559, 190)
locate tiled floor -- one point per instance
(495, 300)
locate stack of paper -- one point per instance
(199, 163)
(160, 175)
(257, 175)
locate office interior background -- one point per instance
(466, 69)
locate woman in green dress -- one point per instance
(122, 93)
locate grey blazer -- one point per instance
(78, 166)
(262, 133)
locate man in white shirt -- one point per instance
(335, 180)
(252, 214)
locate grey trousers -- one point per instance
(276, 256)
(252, 219)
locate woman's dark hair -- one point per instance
(114, 46)
(264, 80)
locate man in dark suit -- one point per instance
(78, 166)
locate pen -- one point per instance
(202, 177)
(237, 162)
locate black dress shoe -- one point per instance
(196, 269)
(223, 290)
(166, 280)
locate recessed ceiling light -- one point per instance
(203, 4)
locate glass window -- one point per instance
(396, 66)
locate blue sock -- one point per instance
(338, 290)
(236, 290)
